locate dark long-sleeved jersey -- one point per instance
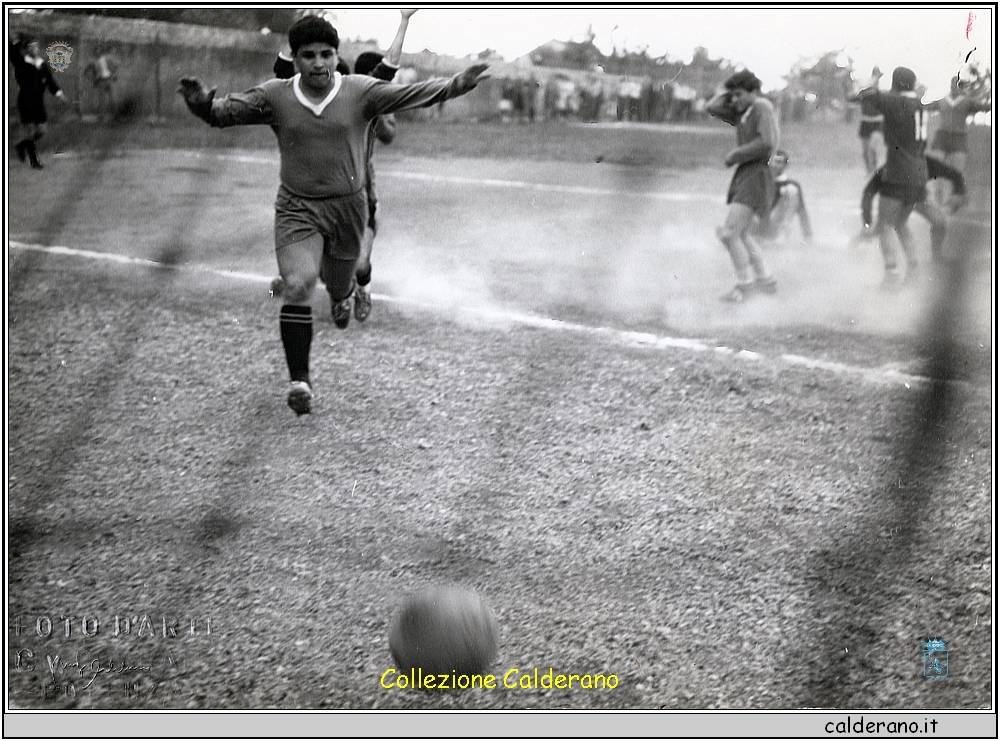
(33, 78)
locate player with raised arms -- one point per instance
(383, 128)
(904, 180)
(322, 120)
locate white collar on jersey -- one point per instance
(317, 108)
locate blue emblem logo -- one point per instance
(935, 658)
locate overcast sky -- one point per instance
(768, 41)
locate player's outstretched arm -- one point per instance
(198, 97)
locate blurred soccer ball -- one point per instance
(444, 629)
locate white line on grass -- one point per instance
(644, 339)
(835, 205)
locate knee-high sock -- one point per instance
(296, 336)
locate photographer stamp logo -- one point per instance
(60, 55)
(935, 658)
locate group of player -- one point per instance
(911, 179)
(326, 121)
(762, 199)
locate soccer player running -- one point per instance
(904, 181)
(33, 78)
(382, 128)
(751, 191)
(322, 120)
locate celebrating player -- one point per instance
(904, 181)
(872, 122)
(950, 142)
(322, 120)
(384, 129)
(33, 78)
(751, 191)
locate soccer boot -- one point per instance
(740, 293)
(277, 287)
(300, 397)
(362, 303)
(341, 311)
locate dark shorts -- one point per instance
(909, 195)
(753, 186)
(868, 128)
(340, 221)
(950, 142)
(31, 110)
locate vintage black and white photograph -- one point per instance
(501, 358)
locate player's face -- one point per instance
(316, 63)
(741, 100)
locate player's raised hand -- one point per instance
(472, 76)
(407, 12)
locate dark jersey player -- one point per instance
(322, 119)
(904, 180)
(33, 78)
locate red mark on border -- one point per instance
(968, 26)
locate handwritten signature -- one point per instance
(93, 668)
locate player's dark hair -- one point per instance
(744, 80)
(311, 30)
(366, 62)
(904, 79)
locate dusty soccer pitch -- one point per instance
(720, 506)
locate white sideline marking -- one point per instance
(629, 337)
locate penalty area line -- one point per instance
(642, 339)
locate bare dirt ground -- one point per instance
(752, 519)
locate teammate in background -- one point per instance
(33, 78)
(904, 180)
(752, 189)
(930, 210)
(322, 120)
(950, 143)
(789, 204)
(872, 122)
(103, 72)
(384, 129)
